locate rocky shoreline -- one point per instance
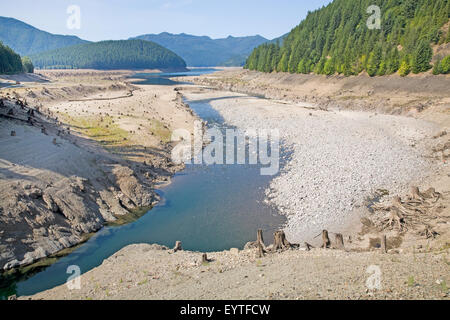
(59, 182)
(339, 159)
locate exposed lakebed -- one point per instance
(208, 208)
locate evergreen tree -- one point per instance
(27, 65)
(445, 65)
(338, 32)
(10, 62)
(405, 68)
(422, 57)
(329, 68)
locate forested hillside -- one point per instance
(11, 62)
(336, 39)
(206, 52)
(109, 55)
(27, 40)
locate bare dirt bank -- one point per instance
(411, 95)
(68, 168)
(145, 272)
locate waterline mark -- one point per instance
(230, 146)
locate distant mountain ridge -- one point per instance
(197, 51)
(111, 55)
(27, 40)
(203, 51)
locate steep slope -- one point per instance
(110, 55)
(10, 62)
(27, 40)
(339, 38)
(207, 52)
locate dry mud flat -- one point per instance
(79, 165)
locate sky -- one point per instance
(122, 19)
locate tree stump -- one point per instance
(205, 258)
(177, 246)
(325, 239)
(383, 244)
(259, 237)
(339, 241)
(280, 242)
(415, 194)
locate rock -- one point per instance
(50, 203)
(234, 251)
(35, 193)
(12, 264)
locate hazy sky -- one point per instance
(121, 19)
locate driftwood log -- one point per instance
(413, 212)
(308, 246)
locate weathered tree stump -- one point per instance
(177, 247)
(259, 237)
(280, 242)
(325, 239)
(339, 241)
(383, 244)
(261, 250)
